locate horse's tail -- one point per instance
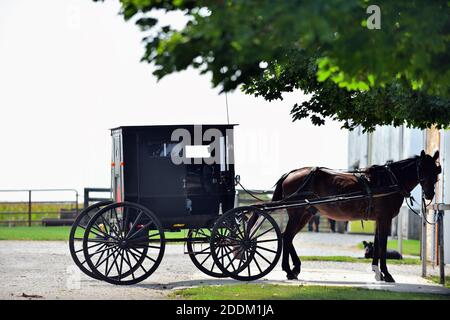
(278, 192)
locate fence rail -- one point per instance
(30, 211)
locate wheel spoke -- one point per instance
(257, 227)
(121, 262)
(213, 265)
(259, 254)
(96, 264)
(111, 229)
(128, 260)
(97, 228)
(248, 265)
(101, 241)
(257, 264)
(201, 251)
(204, 260)
(230, 238)
(112, 264)
(134, 223)
(270, 240)
(94, 245)
(259, 235)
(144, 227)
(145, 256)
(107, 257)
(234, 258)
(97, 252)
(117, 221)
(238, 229)
(230, 252)
(124, 218)
(138, 261)
(270, 250)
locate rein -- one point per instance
(409, 199)
(407, 195)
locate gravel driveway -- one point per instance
(44, 269)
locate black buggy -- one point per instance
(173, 178)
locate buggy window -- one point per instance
(159, 150)
(198, 151)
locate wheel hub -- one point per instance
(123, 244)
(246, 244)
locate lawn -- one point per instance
(52, 233)
(291, 292)
(356, 227)
(34, 233)
(437, 279)
(413, 261)
(410, 247)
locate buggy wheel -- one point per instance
(76, 236)
(199, 250)
(123, 243)
(246, 243)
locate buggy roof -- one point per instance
(174, 126)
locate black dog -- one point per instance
(390, 254)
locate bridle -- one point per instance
(405, 193)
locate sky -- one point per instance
(70, 70)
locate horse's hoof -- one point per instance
(388, 278)
(296, 272)
(291, 276)
(378, 274)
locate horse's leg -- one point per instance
(305, 218)
(288, 236)
(375, 258)
(384, 228)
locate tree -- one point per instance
(394, 104)
(399, 73)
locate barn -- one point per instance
(395, 143)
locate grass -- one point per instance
(356, 227)
(410, 247)
(283, 292)
(404, 261)
(437, 279)
(34, 233)
(53, 233)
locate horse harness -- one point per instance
(364, 182)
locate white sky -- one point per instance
(70, 70)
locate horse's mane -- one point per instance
(378, 174)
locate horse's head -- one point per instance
(428, 170)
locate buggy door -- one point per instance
(117, 167)
(162, 183)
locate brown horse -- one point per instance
(308, 183)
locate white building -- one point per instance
(389, 143)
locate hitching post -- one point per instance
(441, 246)
(423, 242)
(400, 231)
(76, 201)
(439, 210)
(29, 208)
(86, 198)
